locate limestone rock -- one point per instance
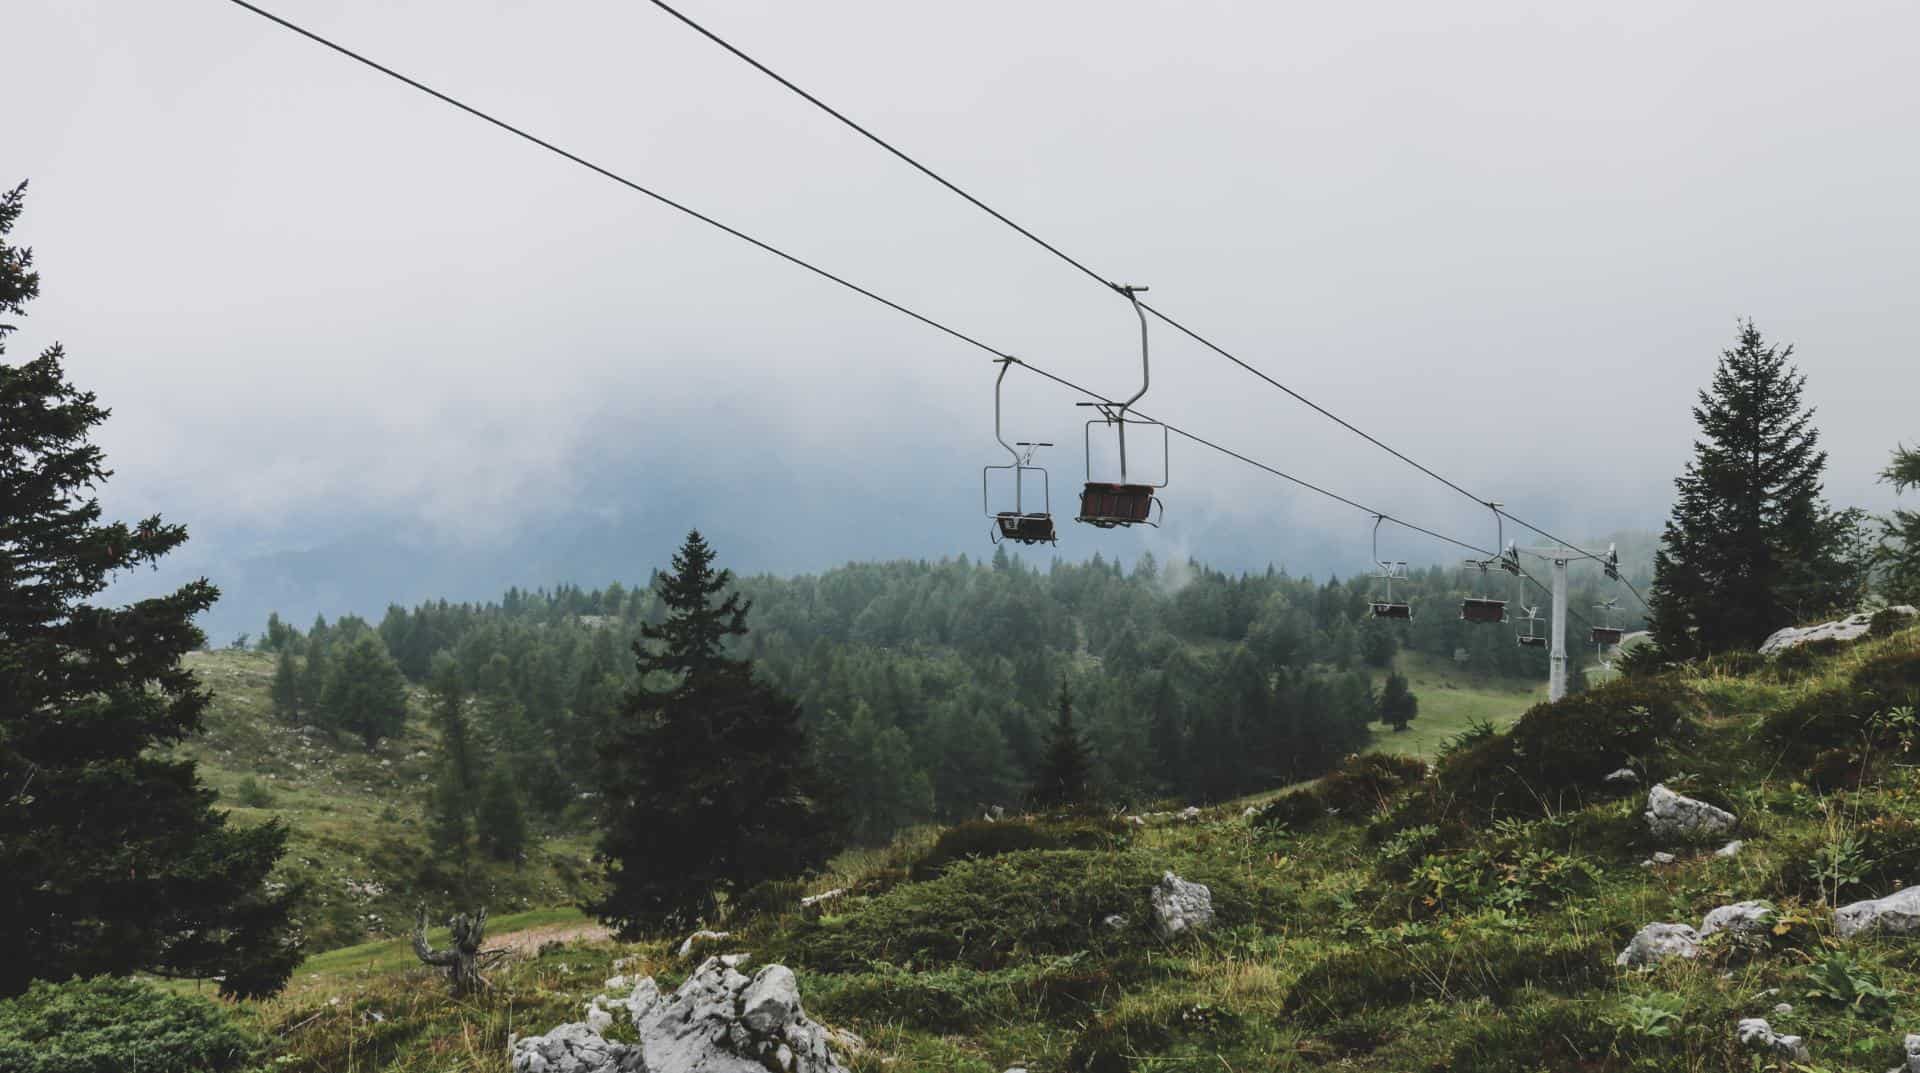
(1670, 815)
(1896, 914)
(1740, 918)
(697, 938)
(1625, 776)
(817, 902)
(1912, 1047)
(575, 1048)
(1846, 629)
(1180, 907)
(1115, 922)
(1755, 1034)
(1190, 814)
(1731, 849)
(1658, 942)
(721, 1021)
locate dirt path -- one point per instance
(528, 943)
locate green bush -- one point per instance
(253, 795)
(110, 1025)
(980, 839)
(1364, 785)
(1559, 754)
(990, 913)
(1886, 622)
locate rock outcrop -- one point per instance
(719, 1021)
(1740, 918)
(1755, 1034)
(1852, 627)
(1896, 914)
(1912, 1047)
(1180, 907)
(1671, 815)
(701, 937)
(1657, 942)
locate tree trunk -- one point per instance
(463, 960)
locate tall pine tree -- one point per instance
(1900, 537)
(704, 778)
(1398, 706)
(113, 858)
(1066, 770)
(1751, 545)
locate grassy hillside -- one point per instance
(1465, 920)
(1451, 700)
(358, 846)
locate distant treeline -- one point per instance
(928, 686)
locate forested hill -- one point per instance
(927, 685)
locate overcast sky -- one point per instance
(1510, 238)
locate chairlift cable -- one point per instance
(841, 280)
(1164, 318)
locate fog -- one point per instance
(338, 320)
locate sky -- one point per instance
(361, 343)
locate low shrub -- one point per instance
(1364, 785)
(253, 795)
(980, 839)
(1495, 967)
(1559, 754)
(110, 1025)
(1890, 679)
(1886, 622)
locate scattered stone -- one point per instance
(1250, 812)
(617, 983)
(598, 1018)
(1180, 906)
(1782, 1009)
(1137, 821)
(814, 900)
(1669, 814)
(1912, 1047)
(1657, 942)
(1626, 776)
(720, 1021)
(1661, 857)
(1852, 627)
(1755, 1034)
(686, 948)
(1115, 922)
(1740, 918)
(1190, 814)
(575, 1048)
(1731, 849)
(1896, 914)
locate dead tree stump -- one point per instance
(463, 960)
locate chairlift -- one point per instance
(1486, 608)
(1019, 524)
(1387, 572)
(1530, 639)
(1128, 501)
(1609, 635)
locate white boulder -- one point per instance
(1896, 914)
(1912, 1047)
(696, 939)
(721, 1021)
(1672, 815)
(1657, 942)
(1625, 776)
(1740, 918)
(1755, 1034)
(1846, 629)
(575, 1048)
(1731, 849)
(1180, 907)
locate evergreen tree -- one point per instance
(1900, 536)
(1398, 706)
(501, 822)
(456, 786)
(704, 778)
(286, 688)
(312, 684)
(882, 789)
(1066, 772)
(113, 857)
(1751, 545)
(365, 692)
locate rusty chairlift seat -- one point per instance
(1530, 639)
(1480, 608)
(1127, 501)
(1607, 635)
(1388, 571)
(1019, 524)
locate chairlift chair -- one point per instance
(1019, 524)
(1108, 504)
(1530, 639)
(1478, 608)
(1609, 635)
(1388, 572)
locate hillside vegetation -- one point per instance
(1378, 919)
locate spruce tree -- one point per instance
(113, 856)
(1900, 536)
(286, 688)
(704, 778)
(501, 822)
(1751, 546)
(456, 786)
(365, 693)
(1066, 769)
(1398, 706)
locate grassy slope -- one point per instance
(358, 839)
(1450, 701)
(1325, 957)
